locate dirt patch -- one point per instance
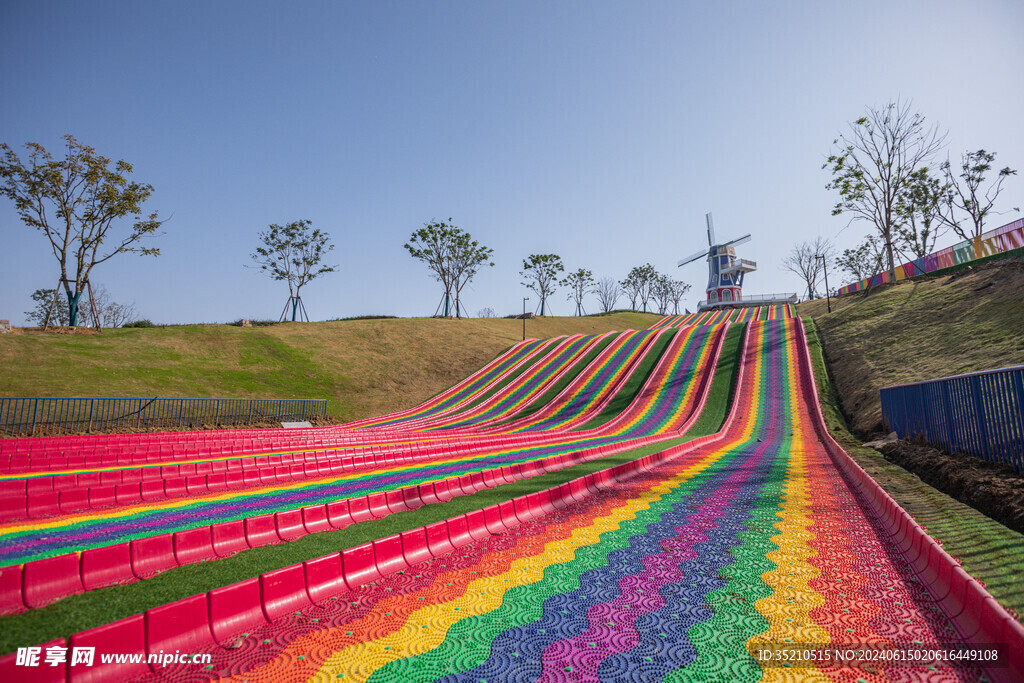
(992, 489)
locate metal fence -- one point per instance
(981, 414)
(31, 415)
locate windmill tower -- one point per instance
(725, 271)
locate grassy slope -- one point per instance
(84, 611)
(363, 367)
(920, 329)
(987, 550)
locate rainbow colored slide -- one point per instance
(761, 552)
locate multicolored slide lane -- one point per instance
(748, 541)
(65, 554)
(685, 565)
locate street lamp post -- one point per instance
(525, 299)
(824, 267)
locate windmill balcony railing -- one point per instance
(740, 264)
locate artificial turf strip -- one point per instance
(94, 608)
(722, 392)
(987, 550)
(508, 377)
(555, 389)
(633, 384)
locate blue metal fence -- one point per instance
(31, 415)
(981, 414)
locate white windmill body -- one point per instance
(725, 274)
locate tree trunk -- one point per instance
(295, 307)
(73, 307)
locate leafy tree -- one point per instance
(109, 312)
(293, 252)
(963, 192)
(676, 290)
(466, 258)
(864, 261)
(639, 284)
(665, 291)
(452, 256)
(76, 202)
(44, 298)
(808, 260)
(920, 208)
(873, 166)
(661, 293)
(540, 273)
(580, 283)
(608, 294)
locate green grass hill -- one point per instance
(363, 368)
(920, 329)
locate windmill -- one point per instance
(725, 271)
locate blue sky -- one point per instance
(599, 131)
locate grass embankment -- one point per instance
(362, 367)
(987, 550)
(920, 329)
(88, 610)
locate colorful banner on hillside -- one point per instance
(1006, 238)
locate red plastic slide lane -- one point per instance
(146, 557)
(972, 609)
(225, 614)
(43, 497)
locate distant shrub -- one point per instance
(617, 310)
(254, 323)
(145, 322)
(364, 317)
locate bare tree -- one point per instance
(76, 202)
(580, 283)
(873, 165)
(608, 294)
(963, 192)
(111, 313)
(486, 313)
(808, 260)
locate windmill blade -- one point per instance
(688, 259)
(711, 229)
(738, 241)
